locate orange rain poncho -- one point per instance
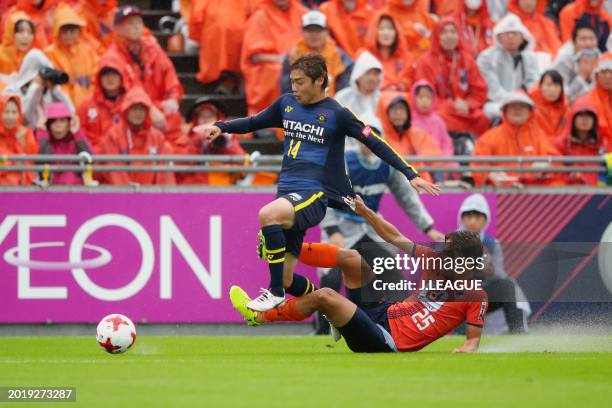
(348, 28)
(10, 56)
(146, 140)
(219, 29)
(410, 141)
(540, 26)
(398, 67)
(455, 77)
(16, 141)
(78, 60)
(415, 24)
(269, 30)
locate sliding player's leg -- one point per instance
(362, 334)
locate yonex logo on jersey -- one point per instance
(288, 108)
(367, 131)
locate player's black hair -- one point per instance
(464, 244)
(582, 25)
(556, 77)
(314, 66)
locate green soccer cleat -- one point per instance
(261, 246)
(239, 299)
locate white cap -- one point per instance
(517, 97)
(314, 18)
(603, 65)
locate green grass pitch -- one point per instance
(290, 371)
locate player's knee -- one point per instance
(271, 215)
(348, 258)
(325, 297)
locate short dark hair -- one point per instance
(463, 244)
(581, 25)
(314, 66)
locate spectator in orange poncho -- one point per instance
(388, 46)
(15, 139)
(102, 110)
(134, 135)
(543, 29)
(98, 16)
(518, 135)
(206, 112)
(551, 105)
(414, 22)
(460, 89)
(348, 22)
(315, 39)
(601, 98)
(219, 29)
(475, 25)
(270, 33)
(145, 64)
(71, 54)
(41, 13)
(586, 11)
(17, 40)
(395, 115)
(581, 138)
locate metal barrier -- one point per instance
(272, 163)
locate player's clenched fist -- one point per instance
(208, 132)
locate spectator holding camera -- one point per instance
(71, 54)
(38, 84)
(58, 133)
(15, 139)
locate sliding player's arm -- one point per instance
(472, 340)
(356, 129)
(270, 117)
(385, 229)
(475, 315)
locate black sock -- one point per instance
(275, 248)
(300, 286)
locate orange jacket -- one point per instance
(415, 24)
(98, 113)
(443, 8)
(541, 27)
(455, 77)
(79, 60)
(510, 140)
(42, 18)
(582, 10)
(16, 141)
(331, 54)
(348, 28)
(410, 141)
(568, 145)
(98, 18)
(157, 75)
(549, 116)
(602, 100)
(222, 24)
(123, 139)
(268, 30)
(10, 56)
(398, 68)
(476, 30)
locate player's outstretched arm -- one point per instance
(472, 341)
(385, 229)
(356, 129)
(267, 118)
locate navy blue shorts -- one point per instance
(368, 330)
(310, 208)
